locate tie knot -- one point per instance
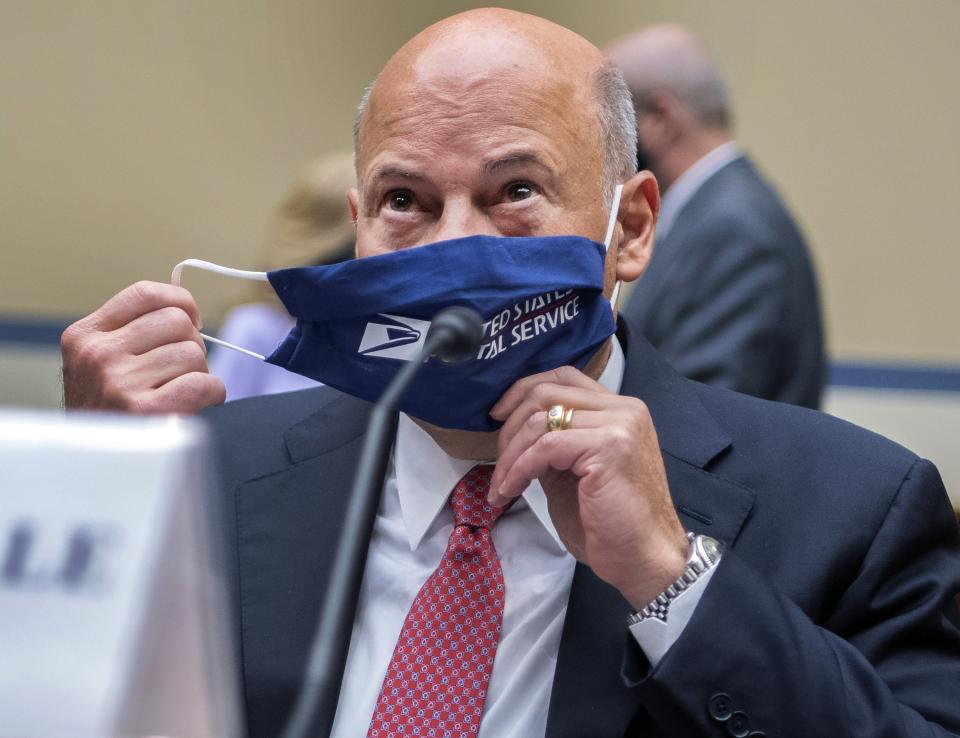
(469, 499)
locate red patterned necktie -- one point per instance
(437, 680)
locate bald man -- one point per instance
(730, 297)
(677, 561)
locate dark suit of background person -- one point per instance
(831, 612)
(730, 297)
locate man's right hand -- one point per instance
(141, 352)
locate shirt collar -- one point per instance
(686, 185)
(426, 475)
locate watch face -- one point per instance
(710, 547)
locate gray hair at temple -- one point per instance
(617, 126)
(670, 59)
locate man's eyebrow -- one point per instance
(519, 157)
(395, 172)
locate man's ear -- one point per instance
(353, 200)
(639, 208)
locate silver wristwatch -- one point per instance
(704, 555)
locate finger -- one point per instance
(187, 394)
(558, 451)
(165, 363)
(545, 395)
(139, 299)
(157, 328)
(565, 375)
(535, 427)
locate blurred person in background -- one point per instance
(311, 226)
(730, 297)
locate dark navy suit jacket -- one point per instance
(830, 614)
(730, 297)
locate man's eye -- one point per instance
(517, 191)
(400, 200)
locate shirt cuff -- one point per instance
(655, 636)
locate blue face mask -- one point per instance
(541, 299)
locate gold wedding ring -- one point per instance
(559, 418)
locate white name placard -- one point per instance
(113, 619)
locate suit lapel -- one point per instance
(670, 248)
(589, 698)
(286, 532)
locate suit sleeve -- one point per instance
(883, 662)
(719, 319)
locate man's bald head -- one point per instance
(492, 54)
(669, 59)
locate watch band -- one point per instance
(704, 555)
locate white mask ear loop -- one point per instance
(227, 272)
(611, 223)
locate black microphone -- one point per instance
(454, 336)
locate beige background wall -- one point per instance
(135, 134)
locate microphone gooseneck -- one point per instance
(454, 335)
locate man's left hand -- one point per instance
(603, 477)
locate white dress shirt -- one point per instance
(409, 538)
(686, 185)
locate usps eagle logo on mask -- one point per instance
(394, 337)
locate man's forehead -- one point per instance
(546, 117)
(484, 136)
